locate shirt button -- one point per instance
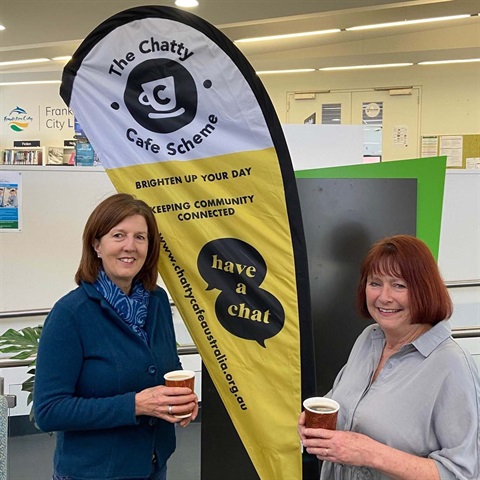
(389, 365)
(152, 369)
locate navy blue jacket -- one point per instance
(90, 365)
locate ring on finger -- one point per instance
(170, 410)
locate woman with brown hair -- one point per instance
(409, 395)
(103, 352)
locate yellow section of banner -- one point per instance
(227, 261)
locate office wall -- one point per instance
(450, 101)
(459, 252)
(38, 263)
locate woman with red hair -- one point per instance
(409, 395)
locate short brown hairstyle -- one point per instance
(407, 257)
(105, 216)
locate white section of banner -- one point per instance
(226, 120)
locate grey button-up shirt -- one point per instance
(425, 401)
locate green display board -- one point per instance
(430, 175)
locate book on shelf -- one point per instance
(23, 157)
(61, 155)
(84, 154)
(55, 156)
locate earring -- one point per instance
(98, 255)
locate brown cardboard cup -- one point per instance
(180, 378)
(321, 412)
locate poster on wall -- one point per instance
(429, 146)
(452, 147)
(10, 201)
(179, 118)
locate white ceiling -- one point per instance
(50, 28)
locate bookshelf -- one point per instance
(48, 157)
(23, 156)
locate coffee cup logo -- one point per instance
(160, 95)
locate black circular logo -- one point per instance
(161, 95)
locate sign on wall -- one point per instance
(34, 112)
(10, 202)
(462, 151)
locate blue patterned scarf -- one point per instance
(131, 309)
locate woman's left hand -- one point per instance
(347, 448)
(166, 402)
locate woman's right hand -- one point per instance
(165, 402)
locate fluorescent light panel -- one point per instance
(288, 35)
(33, 82)
(298, 70)
(64, 58)
(407, 22)
(443, 62)
(359, 67)
(186, 3)
(22, 62)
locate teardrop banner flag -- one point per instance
(179, 118)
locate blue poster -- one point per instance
(10, 201)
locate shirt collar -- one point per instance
(430, 340)
(425, 343)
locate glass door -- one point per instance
(323, 108)
(390, 117)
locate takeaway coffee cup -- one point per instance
(180, 378)
(321, 412)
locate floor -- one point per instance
(30, 456)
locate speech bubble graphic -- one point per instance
(255, 316)
(243, 308)
(227, 262)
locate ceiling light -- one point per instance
(408, 22)
(298, 70)
(186, 3)
(442, 62)
(33, 82)
(21, 62)
(64, 58)
(358, 67)
(287, 35)
(2, 27)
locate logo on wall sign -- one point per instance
(161, 95)
(18, 119)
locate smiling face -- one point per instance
(387, 302)
(123, 250)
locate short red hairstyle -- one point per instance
(407, 257)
